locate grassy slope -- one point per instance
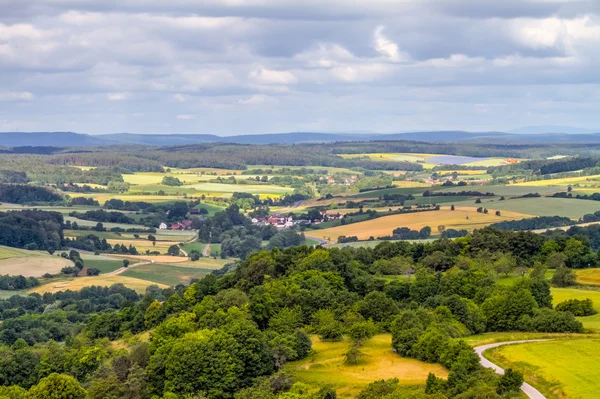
(166, 274)
(327, 366)
(78, 283)
(562, 294)
(450, 219)
(560, 369)
(541, 206)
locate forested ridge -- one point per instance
(230, 334)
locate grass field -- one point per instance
(327, 366)
(384, 226)
(207, 263)
(14, 261)
(78, 283)
(166, 274)
(490, 338)
(562, 294)
(541, 206)
(589, 276)
(589, 181)
(559, 369)
(102, 263)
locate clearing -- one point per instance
(384, 226)
(571, 208)
(327, 366)
(559, 369)
(166, 274)
(14, 262)
(563, 294)
(78, 283)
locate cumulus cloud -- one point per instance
(22, 96)
(374, 65)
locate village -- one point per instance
(279, 221)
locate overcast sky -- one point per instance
(262, 66)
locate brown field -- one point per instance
(34, 266)
(81, 282)
(384, 226)
(157, 259)
(327, 366)
(589, 276)
(206, 263)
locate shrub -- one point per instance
(578, 307)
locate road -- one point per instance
(206, 251)
(321, 241)
(527, 389)
(121, 270)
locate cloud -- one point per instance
(257, 99)
(272, 77)
(376, 65)
(386, 47)
(118, 96)
(186, 117)
(14, 97)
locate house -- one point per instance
(177, 226)
(317, 221)
(163, 226)
(194, 211)
(187, 224)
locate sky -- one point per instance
(231, 67)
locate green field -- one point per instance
(212, 209)
(540, 206)
(562, 294)
(326, 366)
(103, 263)
(166, 274)
(559, 369)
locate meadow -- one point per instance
(166, 274)
(559, 369)
(589, 181)
(384, 226)
(326, 366)
(562, 294)
(570, 208)
(15, 261)
(78, 283)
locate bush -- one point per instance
(578, 307)
(92, 271)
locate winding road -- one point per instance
(527, 389)
(206, 251)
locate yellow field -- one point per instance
(156, 177)
(103, 197)
(34, 266)
(591, 181)
(462, 172)
(409, 184)
(157, 259)
(143, 245)
(206, 263)
(589, 276)
(327, 366)
(562, 294)
(15, 261)
(80, 282)
(384, 226)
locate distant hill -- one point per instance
(552, 129)
(70, 139)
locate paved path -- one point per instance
(206, 250)
(530, 391)
(321, 241)
(121, 270)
